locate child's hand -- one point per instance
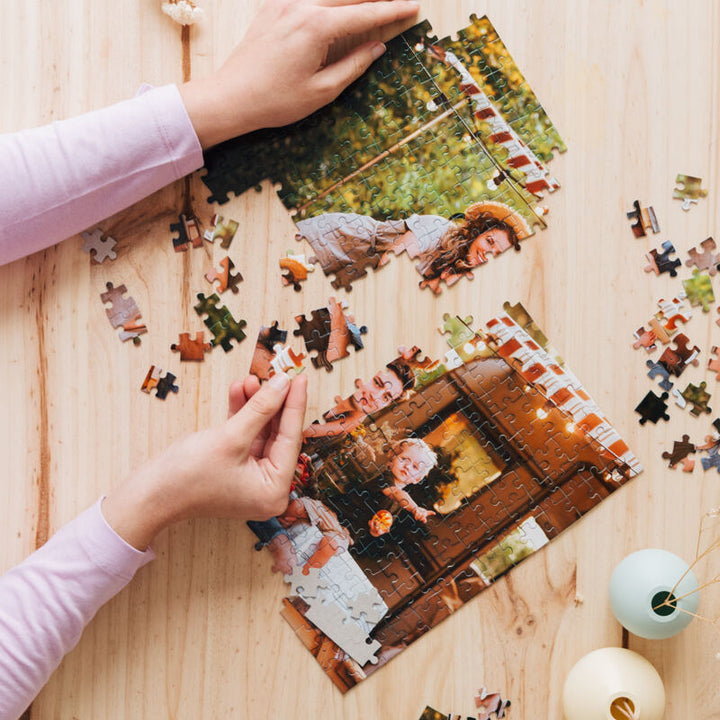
(278, 73)
(242, 469)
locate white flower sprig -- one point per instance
(185, 12)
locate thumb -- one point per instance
(261, 408)
(340, 74)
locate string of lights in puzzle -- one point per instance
(662, 330)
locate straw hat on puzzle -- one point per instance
(500, 211)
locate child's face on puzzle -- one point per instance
(384, 387)
(492, 241)
(409, 466)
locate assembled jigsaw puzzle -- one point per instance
(439, 150)
(429, 482)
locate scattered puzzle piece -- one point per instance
(689, 190)
(490, 703)
(656, 370)
(98, 245)
(644, 220)
(191, 349)
(285, 360)
(676, 359)
(674, 311)
(645, 338)
(187, 230)
(225, 277)
(714, 363)
(162, 384)
(124, 313)
(220, 321)
(296, 269)
(699, 290)
(698, 398)
(221, 230)
(708, 259)
(329, 332)
(653, 408)
(681, 450)
(660, 262)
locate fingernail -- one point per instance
(378, 50)
(279, 381)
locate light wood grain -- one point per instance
(633, 88)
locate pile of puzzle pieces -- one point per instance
(662, 330)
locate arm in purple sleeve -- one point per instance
(65, 177)
(46, 602)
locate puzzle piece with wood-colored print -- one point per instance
(187, 231)
(124, 313)
(98, 245)
(681, 450)
(225, 277)
(688, 189)
(708, 259)
(191, 350)
(644, 219)
(698, 398)
(221, 229)
(162, 384)
(661, 262)
(296, 269)
(220, 322)
(699, 290)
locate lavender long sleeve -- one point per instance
(46, 601)
(62, 178)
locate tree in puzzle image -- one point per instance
(436, 127)
(442, 486)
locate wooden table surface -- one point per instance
(633, 88)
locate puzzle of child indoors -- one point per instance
(435, 476)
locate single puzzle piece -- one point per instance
(296, 269)
(681, 450)
(98, 245)
(329, 333)
(644, 220)
(676, 359)
(458, 330)
(698, 398)
(286, 359)
(714, 363)
(674, 311)
(689, 189)
(220, 321)
(645, 338)
(225, 277)
(162, 384)
(187, 230)
(123, 313)
(712, 459)
(660, 262)
(221, 230)
(191, 350)
(679, 399)
(490, 703)
(653, 408)
(708, 259)
(656, 370)
(699, 290)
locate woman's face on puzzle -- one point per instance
(410, 466)
(492, 241)
(384, 387)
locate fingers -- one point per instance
(262, 405)
(240, 392)
(283, 446)
(340, 74)
(357, 18)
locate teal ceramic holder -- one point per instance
(642, 582)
